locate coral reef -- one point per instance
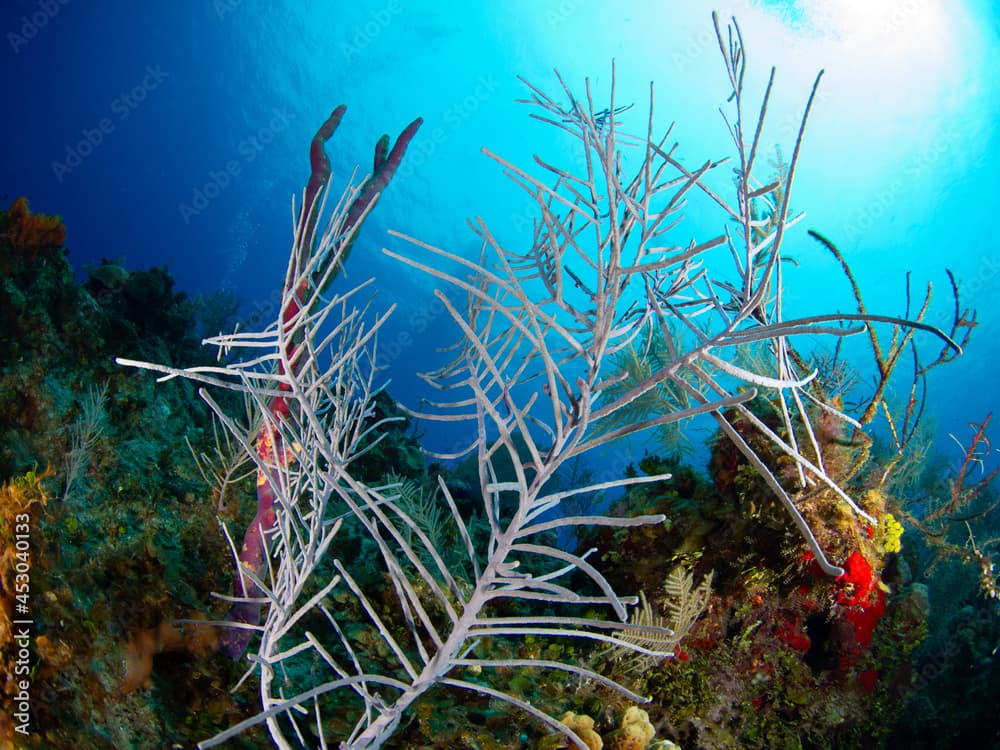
(21, 501)
(120, 524)
(781, 603)
(784, 655)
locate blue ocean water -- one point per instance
(178, 134)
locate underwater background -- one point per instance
(175, 137)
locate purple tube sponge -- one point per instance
(253, 552)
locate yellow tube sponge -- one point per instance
(583, 725)
(635, 733)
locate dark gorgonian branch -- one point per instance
(968, 495)
(889, 355)
(958, 518)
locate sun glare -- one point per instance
(901, 52)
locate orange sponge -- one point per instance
(33, 232)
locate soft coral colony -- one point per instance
(378, 613)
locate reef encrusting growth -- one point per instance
(783, 655)
(123, 536)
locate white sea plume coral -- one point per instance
(319, 358)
